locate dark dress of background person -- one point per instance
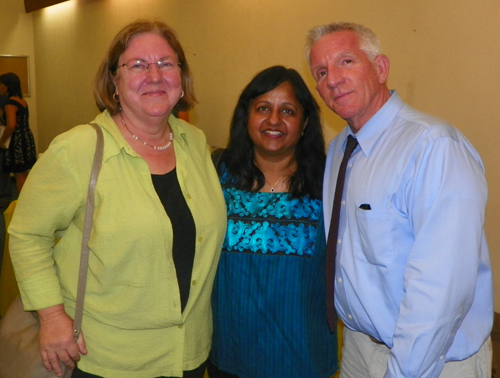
(2, 114)
(7, 184)
(21, 154)
(8, 191)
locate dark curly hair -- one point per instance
(238, 157)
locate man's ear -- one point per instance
(382, 65)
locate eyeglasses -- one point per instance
(140, 66)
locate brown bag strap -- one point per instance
(87, 227)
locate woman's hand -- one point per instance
(57, 342)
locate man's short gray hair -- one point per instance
(368, 41)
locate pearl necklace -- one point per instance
(135, 137)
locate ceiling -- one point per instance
(33, 5)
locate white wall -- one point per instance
(444, 56)
(16, 38)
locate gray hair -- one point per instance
(368, 41)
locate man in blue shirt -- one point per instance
(413, 281)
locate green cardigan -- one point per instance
(133, 325)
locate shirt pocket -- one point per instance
(375, 236)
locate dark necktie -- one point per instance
(333, 233)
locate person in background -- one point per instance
(268, 300)
(413, 280)
(20, 152)
(3, 99)
(8, 191)
(182, 114)
(158, 226)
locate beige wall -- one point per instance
(444, 57)
(16, 38)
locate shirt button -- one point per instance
(189, 196)
(179, 326)
(349, 165)
(339, 241)
(194, 282)
(441, 357)
(349, 316)
(200, 239)
(339, 280)
(343, 203)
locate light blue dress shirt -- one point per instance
(414, 271)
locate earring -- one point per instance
(116, 97)
(305, 125)
(182, 93)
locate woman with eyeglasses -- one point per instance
(158, 225)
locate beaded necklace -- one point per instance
(135, 137)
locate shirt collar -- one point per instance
(180, 137)
(375, 127)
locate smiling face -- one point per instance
(351, 84)
(152, 93)
(275, 122)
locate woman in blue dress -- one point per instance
(269, 298)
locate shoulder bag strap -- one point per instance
(87, 227)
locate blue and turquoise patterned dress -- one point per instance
(269, 295)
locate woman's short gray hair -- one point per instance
(368, 41)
